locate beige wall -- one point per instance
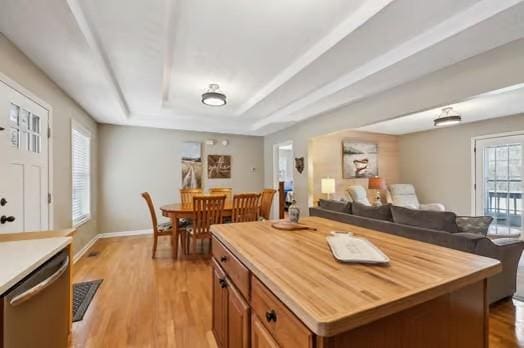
(133, 160)
(17, 67)
(488, 71)
(438, 162)
(326, 160)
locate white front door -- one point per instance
(23, 163)
(499, 185)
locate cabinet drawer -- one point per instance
(287, 329)
(234, 269)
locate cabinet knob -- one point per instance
(3, 202)
(5, 219)
(223, 259)
(222, 282)
(271, 316)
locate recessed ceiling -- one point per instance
(147, 63)
(499, 103)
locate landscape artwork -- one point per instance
(219, 167)
(359, 159)
(191, 165)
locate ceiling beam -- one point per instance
(355, 20)
(452, 26)
(100, 55)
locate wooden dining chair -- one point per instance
(227, 191)
(207, 211)
(245, 207)
(186, 195)
(266, 201)
(163, 229)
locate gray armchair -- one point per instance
(404, 195)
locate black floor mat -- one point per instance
(83, 293)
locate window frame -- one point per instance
(82, 130)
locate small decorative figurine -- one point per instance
(299, 164)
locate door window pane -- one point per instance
(14, 137)
(35, 123)
(13, 113)
(24, 120)
(503, 188)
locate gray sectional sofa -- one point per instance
(507, 251)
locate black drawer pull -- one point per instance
(222, 282)
(223, 259)
(271, 316)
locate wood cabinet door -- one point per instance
(238, 319)
(260, 337)
(220, 304)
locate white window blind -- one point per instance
(80, 141)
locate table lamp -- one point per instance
(327, 186)
(377, 183)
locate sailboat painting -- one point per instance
(359, 159)
(191, 165)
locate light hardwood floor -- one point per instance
(164, 303)
(144, 302)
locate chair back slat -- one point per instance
(207, 211)
(186, 195)
(151, 207)
(266, 201)
(227, 191)
(245, 207)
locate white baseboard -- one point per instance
(86, 247)
(124, 233)
(89, 244)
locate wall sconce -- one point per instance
(211, 142)
(225, 142)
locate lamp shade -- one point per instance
(376, 183)
(327, 185)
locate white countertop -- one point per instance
(20, 258)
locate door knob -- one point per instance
(1, 128)
(5, 219)
(3, 202)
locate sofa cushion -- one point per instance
(474, 224)
(435, 220)
(380, 213)
(338, 206)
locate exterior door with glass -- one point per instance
(23, 163)
(498, 191)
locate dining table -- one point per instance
(179, 211)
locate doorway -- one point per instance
(24, 162)
(283, 164)
(498, 183)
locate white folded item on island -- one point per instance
(348, 248)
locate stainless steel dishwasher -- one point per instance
(35, 310)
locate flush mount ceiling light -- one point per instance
(213, 97)
(448, 117)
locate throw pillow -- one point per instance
(474, 224)
(379, 213)
(338, 206)
(434, 220)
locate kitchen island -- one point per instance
(274, 288)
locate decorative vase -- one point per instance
(293, 212)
